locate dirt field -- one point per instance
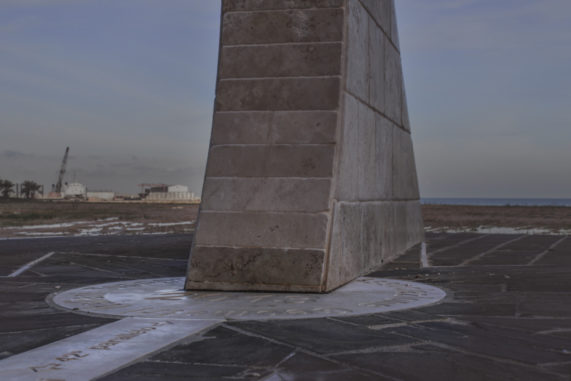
(40, 218)
(532, 218)
(37, 219)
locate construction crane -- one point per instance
(58, 186)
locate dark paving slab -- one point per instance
(519, 252)
(27, 321)
(507, 315)
(430, 362)
(155, 246)
(458, 254)
(323, 336)
(304, 367)
(149, 370)
(11, 263)
(558, 255)
(224, 346)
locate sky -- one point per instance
(129, 86)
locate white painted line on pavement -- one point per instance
(100, 351)
(543, 254)
(424, 261)
(29, 265)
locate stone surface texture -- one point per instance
(311, 180)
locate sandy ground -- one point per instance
(42, 219)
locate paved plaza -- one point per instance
(506, 316)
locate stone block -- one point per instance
(394, 26)
(348, 173)
(306, 127)
(366, 164)
(266, 194)
(381, 11)
(407, 229)
(357, 49)
(405, 116)
(384, 218)
(256, 268)
(371, 236)
(268, 230)
(377, 46)
(278, 94)
(281, 60)
(394, 85)
(362, 239)
(280, 127)
(271, 161)
(415, 223)
(249, 5)
(269, 27)
(383, 170)
(405, 180)
(345, 256)
(241, 128)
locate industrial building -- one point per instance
(167, 193)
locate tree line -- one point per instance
(28, 188)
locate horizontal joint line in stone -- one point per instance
(281, 248)
(270, 44)
(376, 110)
(268, 177)
(265, 211)
(281, 110)
(379, 25)
(379, 202)
(325, 213)
(282, 10)
(274, 77)
(273, 111)
(275, 145)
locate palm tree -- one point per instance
(29, 188)
(6, 187)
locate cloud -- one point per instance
(36, 3)
(9, 154)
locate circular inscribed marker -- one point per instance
(164, 298)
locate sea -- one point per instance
(499, 201)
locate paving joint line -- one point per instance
(399, 348)
(119, 256)
(544, 253)
(424, 259)
(121, 276)
(306, 351)
(456, 245)
(481, 255)
(453, 348)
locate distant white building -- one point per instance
(74, 190)
(100, 196)
(173, 193)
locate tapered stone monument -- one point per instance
(311, 179)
